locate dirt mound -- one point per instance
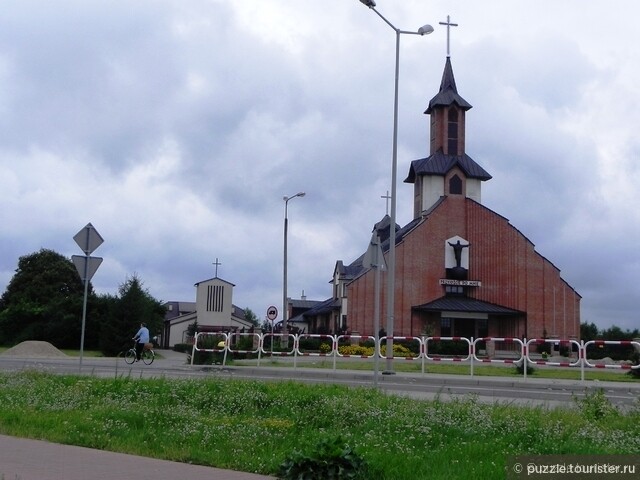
(34, 348)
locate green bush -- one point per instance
(310, 343)
(520, 367)
(635, 359)
(596, 406)
(330, 459)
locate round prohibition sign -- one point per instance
(272, 313)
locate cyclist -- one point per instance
(141, 338)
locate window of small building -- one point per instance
(455, 185)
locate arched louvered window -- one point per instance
(455, 185)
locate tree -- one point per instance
(251, 317)
(43, 301)
(124, 314)
(588, 331)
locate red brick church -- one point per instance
(461, 268)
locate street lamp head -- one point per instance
(299, 194)
(425, 30)
(368, 3)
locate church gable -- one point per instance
(501, 267)
(214, 302)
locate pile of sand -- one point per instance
(34, 349)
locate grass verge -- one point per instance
(253, 426)
(481, 370)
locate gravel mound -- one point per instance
(34, 348)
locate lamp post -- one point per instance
(391, 278)
(284, 283)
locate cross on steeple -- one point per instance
(387, 197)
(449, 25)
(216, 263)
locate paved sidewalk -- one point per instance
(24, 459)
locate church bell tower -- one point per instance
(448, 170)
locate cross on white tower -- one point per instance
(216, 263)
(449, 25)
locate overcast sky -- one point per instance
(176, 127)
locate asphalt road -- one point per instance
(532, 391)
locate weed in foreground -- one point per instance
(329, 459)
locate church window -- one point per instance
(215, 298)
(452, 131)
(455, 185)
(454, 290)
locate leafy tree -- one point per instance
(251, 317)
(616, 352)
(192, 329)
(43, 301)
(124, 314)
(588, 331)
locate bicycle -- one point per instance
(147, 355)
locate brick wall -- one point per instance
(512, 273)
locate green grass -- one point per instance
(483, 370)
(253, 426)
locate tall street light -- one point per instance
(284, 283)
(391, 279)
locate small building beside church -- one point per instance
(213, 311)
(461, 268)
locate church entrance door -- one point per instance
(464, 327)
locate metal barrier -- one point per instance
(376, 348)
(417, 339)
(226, 343)
(609, 342)
(217, 349)
(554, 341)
(281, 336)
(454, 358)
(349, 337)
(258, 343)
(315, 354)
(498, 360)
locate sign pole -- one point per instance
(88, 239)
(84, 308)
(272, 314)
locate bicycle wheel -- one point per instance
(130, 356)
(148, 356)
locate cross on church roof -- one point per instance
(387, 197)
(449, 25)
(216, 263)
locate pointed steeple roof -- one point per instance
(448, 93)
